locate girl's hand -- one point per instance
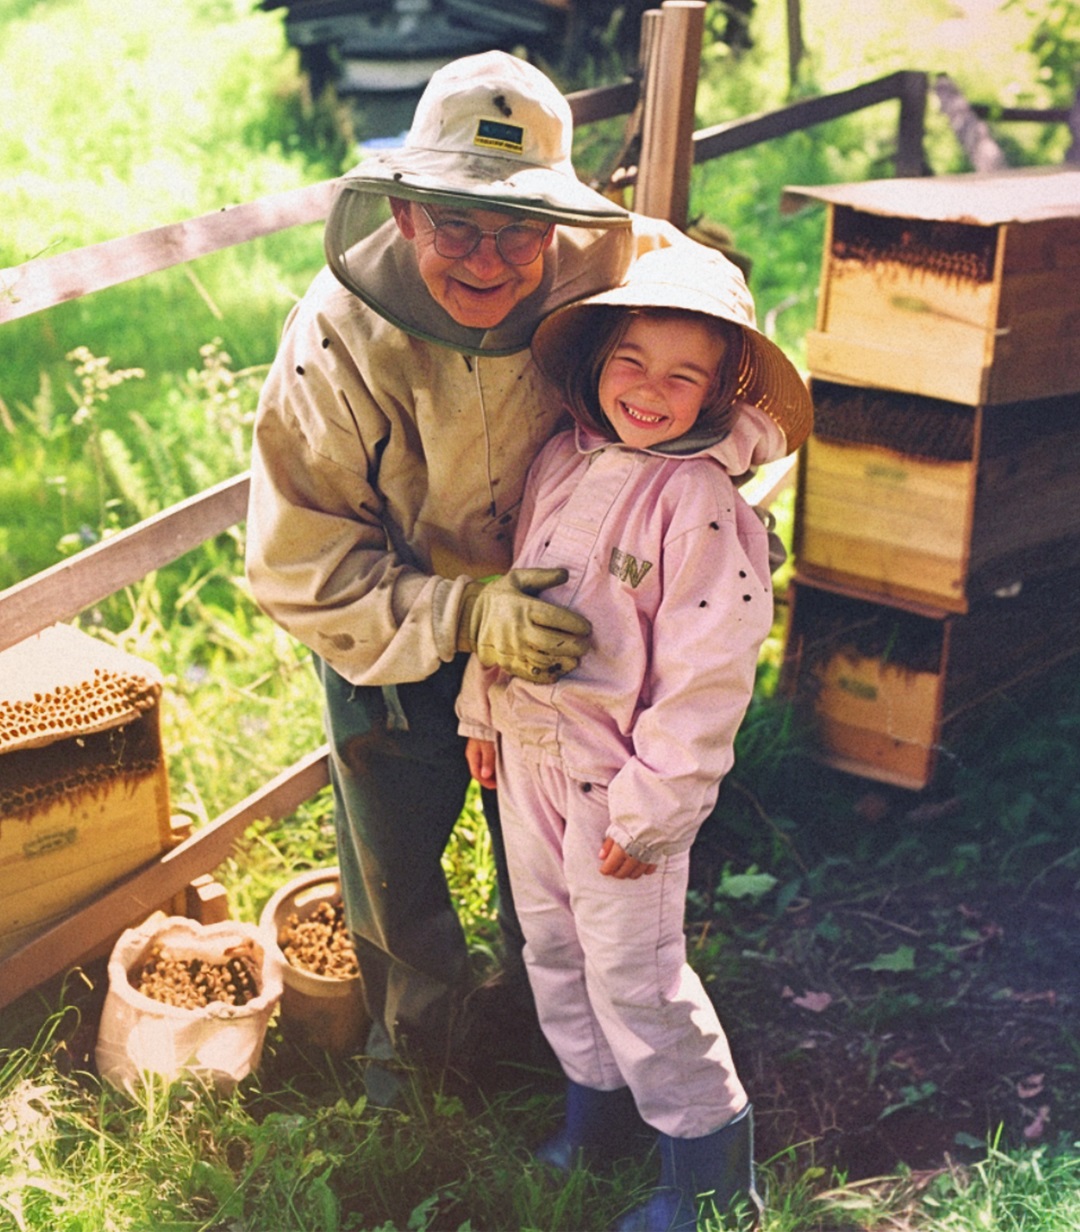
(614, 862)
(480, 754)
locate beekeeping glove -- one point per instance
(507, 627)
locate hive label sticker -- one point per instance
(858, 688)
(44, 844)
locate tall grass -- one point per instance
(116, 116)
(299, 1150)
(1037, 1190)
(288, 1159)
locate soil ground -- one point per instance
(907, 1015)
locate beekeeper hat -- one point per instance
(692, 278)
(491, 132)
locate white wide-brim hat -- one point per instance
(490, 131)
(693, 278)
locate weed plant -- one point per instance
(1033, 1191)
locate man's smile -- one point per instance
(472, 289)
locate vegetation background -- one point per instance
(116, 116)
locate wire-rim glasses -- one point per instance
(516, 242)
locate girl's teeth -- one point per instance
(641, 416)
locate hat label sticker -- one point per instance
(493, 135)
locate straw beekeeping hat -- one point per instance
(691, 278)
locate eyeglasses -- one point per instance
(516, 242)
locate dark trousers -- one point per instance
(399, 778)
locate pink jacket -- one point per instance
(671, 566)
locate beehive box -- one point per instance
(83, 786)
(887, 690)
(960, 287)
(921, 499)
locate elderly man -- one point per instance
(391, 445)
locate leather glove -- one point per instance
(505, 626)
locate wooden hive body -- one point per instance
(886, 689)
(933, 501)
(958, 287)
(83, 785)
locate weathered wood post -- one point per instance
(1072, 154)
(674, 54)
(914, 87)
(973, 133)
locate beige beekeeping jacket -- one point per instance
(387, 469)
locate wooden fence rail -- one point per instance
(909, 88)
(69, 587)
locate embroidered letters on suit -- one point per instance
(628, 568)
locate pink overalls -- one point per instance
(671, 566)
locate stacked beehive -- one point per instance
(937, 533)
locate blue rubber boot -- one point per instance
(600, 1127)
(718, 1168)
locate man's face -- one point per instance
(480, 289)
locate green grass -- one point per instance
(91, 156)
(1030, 1191)
(296, 1149)
(305, 1153)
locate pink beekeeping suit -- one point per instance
(671, 566)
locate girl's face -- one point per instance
(654, 382)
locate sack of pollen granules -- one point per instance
(186, 1001)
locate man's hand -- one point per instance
(507, 627)
(614, 862)
(480, 754)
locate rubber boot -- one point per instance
(600, 1127)
(719, 1167)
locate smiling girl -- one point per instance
(605, 776)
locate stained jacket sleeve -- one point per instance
(318, 557)
(715, 613)
(473, 710)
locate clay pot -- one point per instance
(317, 1010)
